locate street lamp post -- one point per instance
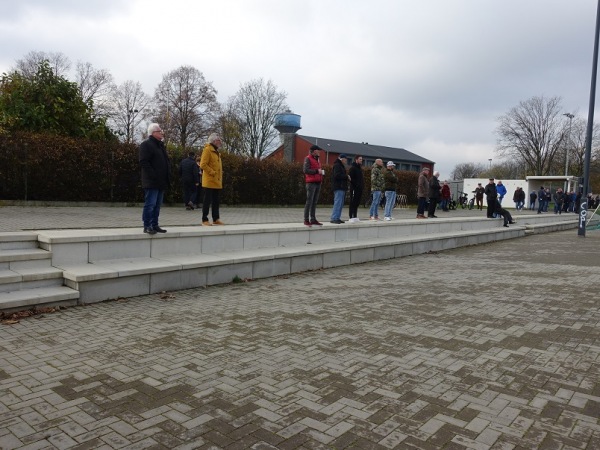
(588, 134)
(490, 160)
(570, 117)
(130, 118)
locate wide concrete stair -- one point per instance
(85, 266)
(27, 278)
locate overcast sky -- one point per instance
(430, 76)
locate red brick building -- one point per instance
(295, 148)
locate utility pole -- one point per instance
(570, 116)
(590, 126)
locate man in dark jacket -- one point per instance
(190, 179)
(357, 184)
(541, 199)
(491, 195)
(434, 194)
(340, 180)
(156, 170)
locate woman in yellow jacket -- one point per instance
(212, 179)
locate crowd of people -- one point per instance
(202, 179)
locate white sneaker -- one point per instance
(356, 219)
(388, 219)
(352, 220)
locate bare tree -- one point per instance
(95, 86)
(129, 107)
(467, 170)
(187, 106)
(29, 64)
(255, 106)
(575, 146)
(231, 129)
(533, 133)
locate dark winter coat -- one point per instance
(434, 187)
(189, 172)
(155, 164)
(357, 178)
(339, 176)
(490, 192)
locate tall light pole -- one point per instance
(130, 119)
(570, 116)
(590, 126)
(490, 160)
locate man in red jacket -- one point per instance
(313, 176)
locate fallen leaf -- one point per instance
(9, 322)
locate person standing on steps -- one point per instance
(357, 184)
(156, 177)
(491, 195)
(313, 177)
(422, 191)
(434, 194)
(339, 178)
(212, 179)
(377, 185)
(190, 179)
(391, 184)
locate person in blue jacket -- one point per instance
(501, 190)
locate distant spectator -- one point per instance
(501, 190)
(479, 191)
(519, 198)
(422, 191)
(391, 184)
(559, 198)
(434, 194)
(445, 196)
(339, 179)
(541, 199)
(532, 199)
(357, 184)
(492, 198)
(190, 179)
(377, 185)
(212, 180)
(156, 170)
(313, 177)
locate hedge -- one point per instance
(54, 168)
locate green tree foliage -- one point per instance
(49, 103)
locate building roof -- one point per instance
(366, 150)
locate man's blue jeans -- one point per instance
(376, 197)
(390, 200)
(338, 204)
(153, 198)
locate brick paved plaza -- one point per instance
(488, 347)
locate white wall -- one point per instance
(469, 185)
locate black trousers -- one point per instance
(189, 192)
(432, 205)
(211, 199)
(355, 197)
(505, 214)
(492, 205)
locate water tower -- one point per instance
(288, 123)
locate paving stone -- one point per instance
(366, 356)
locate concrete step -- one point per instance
(28, 278)
(41, 296)
(23, 254)
(18, 240)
